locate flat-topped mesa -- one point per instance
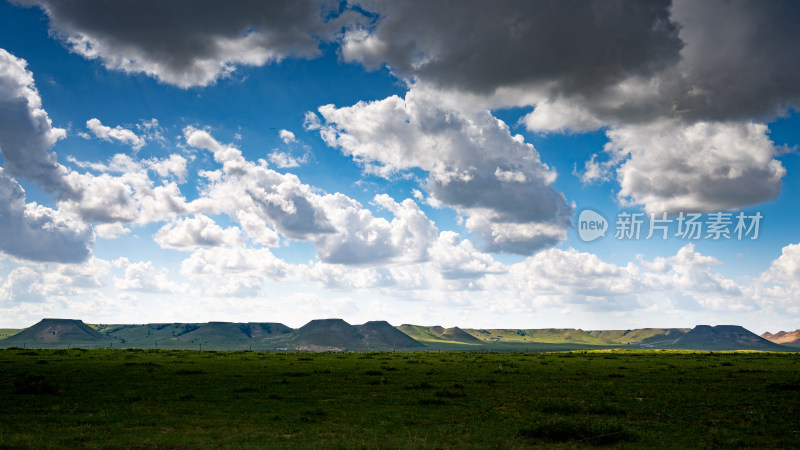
(723, 337)
(336, 334)
(381, 334)
(333, 334)
(58, 331)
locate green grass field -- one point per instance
(187, 399)
(6, 332)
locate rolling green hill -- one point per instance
(640, 335)
(440, 335)
(6, 332)
(214, 335)
(576, 336)
(229, 334)
(148, 335)
(547, 336)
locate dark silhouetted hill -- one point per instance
(723, 337)
(260, 331)
(338, 335)
(58, 331)
(322, 335)
(217, 335)
(231, 334)
(381, 334)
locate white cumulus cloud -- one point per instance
(26, 131)
(199, 231)
(122, 135)
(342, 230)
(708, 166)
(475, 165)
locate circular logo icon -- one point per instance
(591, 225)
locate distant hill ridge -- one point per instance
(438, 334)
(224, 335)
(578, 336)
(226, 332)
(723, 337)
(543, 335)
(338, 335)
(379, 332)
(641, 335)
(58, 331)
(784, 337)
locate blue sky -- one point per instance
(416, 163)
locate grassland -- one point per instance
(6, 332)
(137, 398)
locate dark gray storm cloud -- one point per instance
(187, 42)
(574, 45)
(740, 61)
(622, 61)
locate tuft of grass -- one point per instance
(574, 430)
(189, 372)
(296, 374)
(793, 385)
(558, 405)
(431, 401)
(244, 390)
(142, 364)
(34, 384)
(450, 393)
